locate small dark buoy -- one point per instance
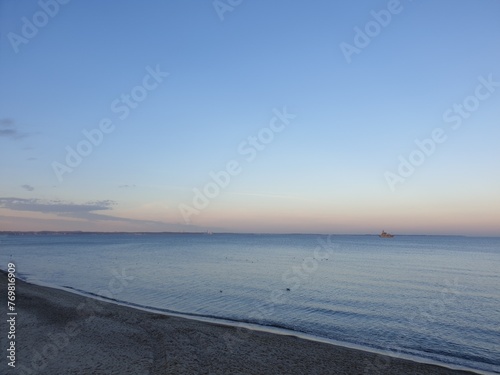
(288, 289)
(220, 291)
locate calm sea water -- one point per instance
(436, 298)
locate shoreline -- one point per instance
(275, 330)
(62, 331)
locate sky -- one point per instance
(250, 116)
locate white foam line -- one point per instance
(259, 328)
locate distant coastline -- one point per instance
(50, 232)
(45, 232)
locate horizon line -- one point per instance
(14, 232)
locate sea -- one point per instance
(433, 299)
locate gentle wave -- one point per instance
(432, 297)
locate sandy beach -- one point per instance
(58, 332)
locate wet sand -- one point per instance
(58, 332)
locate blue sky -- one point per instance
(333, 166)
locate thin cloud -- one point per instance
(5, 122)
(8, 133)
(85, 211)
(28, 187)
(270, 195)
(55, 206)
(8, 129)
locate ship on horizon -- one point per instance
(384, 234)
